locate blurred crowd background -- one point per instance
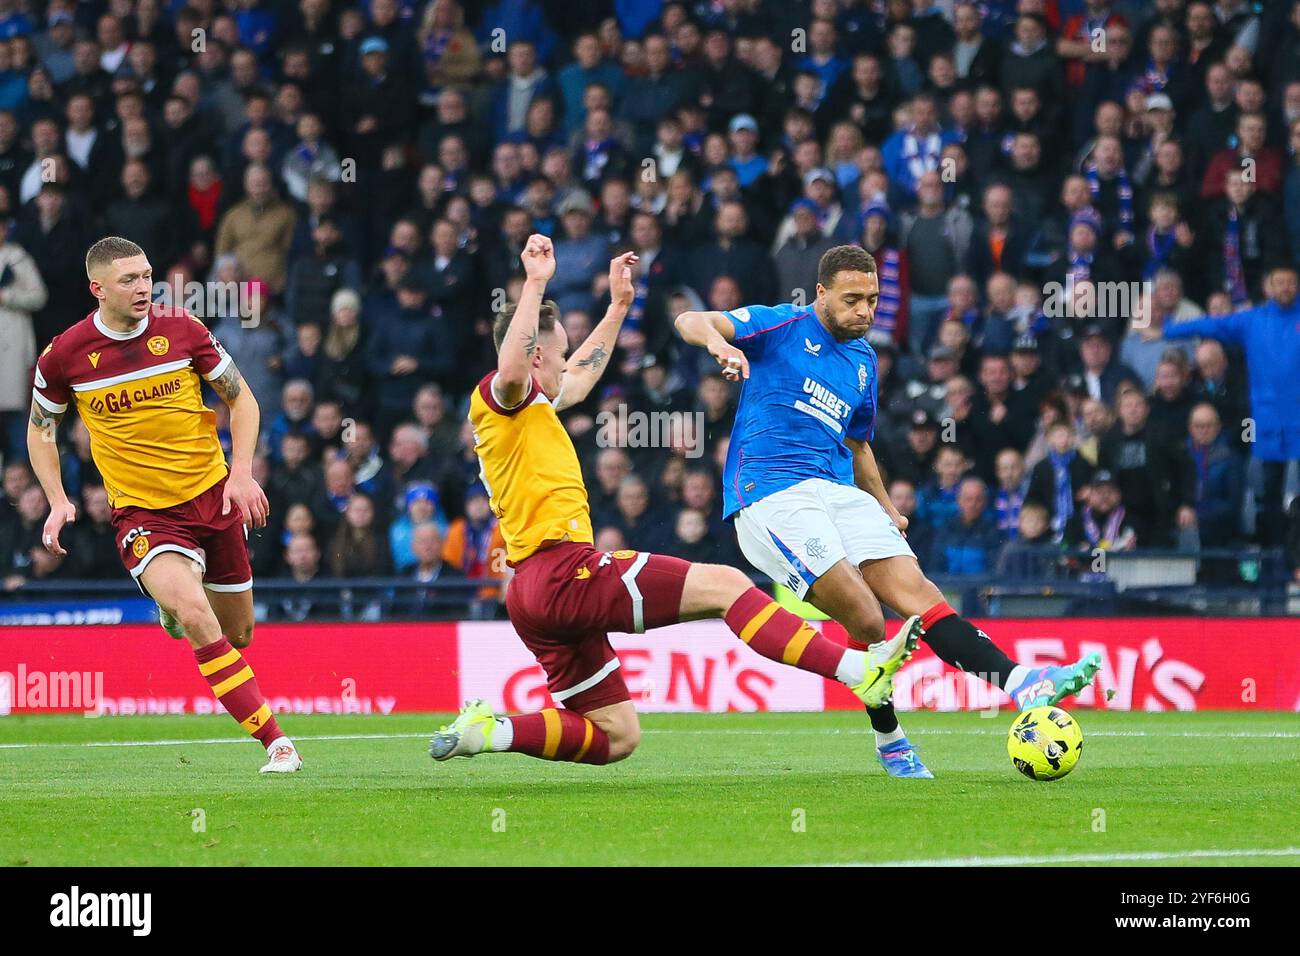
(371, 171)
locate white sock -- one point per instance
(883, 740)
(852, 668)
(1016, 677)
(503, 735)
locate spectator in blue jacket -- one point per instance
(937, 500)
(917, 149)
(578, 255)
(525, 81)
(1270, 336)
(1219, 479)
(517, 20)
(258, 25)
(656, 93)
(968, 543)
(404, 352)
(588, 67)
(423, 506)
(297, 400)
(634, 16)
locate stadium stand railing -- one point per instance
(1038, 583)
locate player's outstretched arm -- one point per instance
(242, 491)
(515, 361)
(714, 331)
(866, 475)
(1229, 329)
(587, 362)
(44, 455)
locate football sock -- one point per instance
(503, 735)
(884, 740)
(958, 642)
(883, 719)
(1017, 676)
(234, 685)
(781, 635)
(553, 735)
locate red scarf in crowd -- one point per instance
(204, 203)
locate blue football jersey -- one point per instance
(805, 394)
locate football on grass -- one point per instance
(1045, 743)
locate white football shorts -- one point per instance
(796, 535)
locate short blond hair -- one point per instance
(108, 249)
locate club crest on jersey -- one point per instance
(740, 315)
(94, 359)
(812, 349)
(159, 345)
(862, 378)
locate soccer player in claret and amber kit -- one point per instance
(566, 596)
(135, 372)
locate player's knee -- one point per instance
(731, 584)
(931, 595)
(711, 589)
(867, 625)
(192, 613)
(623, 741)
(241, 635)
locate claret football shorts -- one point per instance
(564, 600)
(217, 543)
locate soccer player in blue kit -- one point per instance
(810, 507)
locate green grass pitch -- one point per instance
(780, 789)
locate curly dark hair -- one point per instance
(839, 259)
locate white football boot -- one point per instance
(283, 757)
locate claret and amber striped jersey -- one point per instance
(141, 397)
(531, 471)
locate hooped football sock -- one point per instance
(780, 635)
(553, 735)
(960, 643)
(235, 687)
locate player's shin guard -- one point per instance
(780, 635)
(557, 735)
(234, 685)
(960, 643)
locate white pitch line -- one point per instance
(1135, 857)
(1253, 735)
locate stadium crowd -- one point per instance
(370, 172)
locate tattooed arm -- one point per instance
(515, 359)
(245, 419)
(44, 454)
(587, 363)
